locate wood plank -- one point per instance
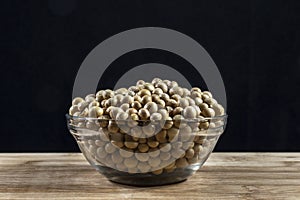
(224, 176)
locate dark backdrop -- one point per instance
(255, 44)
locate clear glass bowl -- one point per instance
(146, 153)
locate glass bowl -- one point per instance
(144, 152)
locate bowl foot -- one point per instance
(146, 179)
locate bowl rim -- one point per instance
(198, 119)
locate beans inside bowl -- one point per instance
(149, 134)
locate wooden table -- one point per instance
(224, 176)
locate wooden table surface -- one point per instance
(224, 176)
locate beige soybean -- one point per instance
(103, 121)
(133, 88)
(144, 92)
(173, 134)
(171, 165)
(125, 106)
(183, 102)
(177, 153)
(208, 94)
(133, 170)
(203, 106)
(82, 105)
(103, 134)
(143, 157)
(176, 111)
(168, 123)
(153, 144)
(113, 127)
(198, 148)
(157, 172)
(210, 101)
(189, 112)
(219, 110)
(144, 167)
(121, 91)
(101, 153)
(198, 101)
(189, 153)
(108, 94)
(126, 153)
(204, 97)
(145, 99)
(196, 94)
(176, 90)
(94, 103)
(156, 80)
(155, 98)
(117, 137)
(131, 111)
(136, 105)
(181, 163)
(208, 112)
(158, 91)
(161, 136)
(155, 117)
(118, 144)
(116, 158)
(165, 156)
(149, 130)
(77, 100)
(100, 95)
(131, 144)
(165, 97)
(136, 131)
(178, 121)
(161, 104)
(164, 114)
(100, 143)
(176, 145)
(73, 110)
(136, 139)
(91, 125)
(140, 82)
(188, 144)
(121, 116)
(121, 167)
(196, 89)
(154, 162)
(137, 98)
(149, 86)
(154, 152)
(165, 147)
(89, 98)
(95, 112)
(162, 86)
(144, 113)
(172, 102)
(151, 107)
(108, 161)
(127, 99)
(114, 111)
(143, 148)
(186, 92)
(193, 160)
(142, 140)
(130, 162)
(109, 148)
(176, 97)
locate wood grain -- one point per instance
(224, 176)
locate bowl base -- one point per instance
(146, 179)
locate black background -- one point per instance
(255, 44)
